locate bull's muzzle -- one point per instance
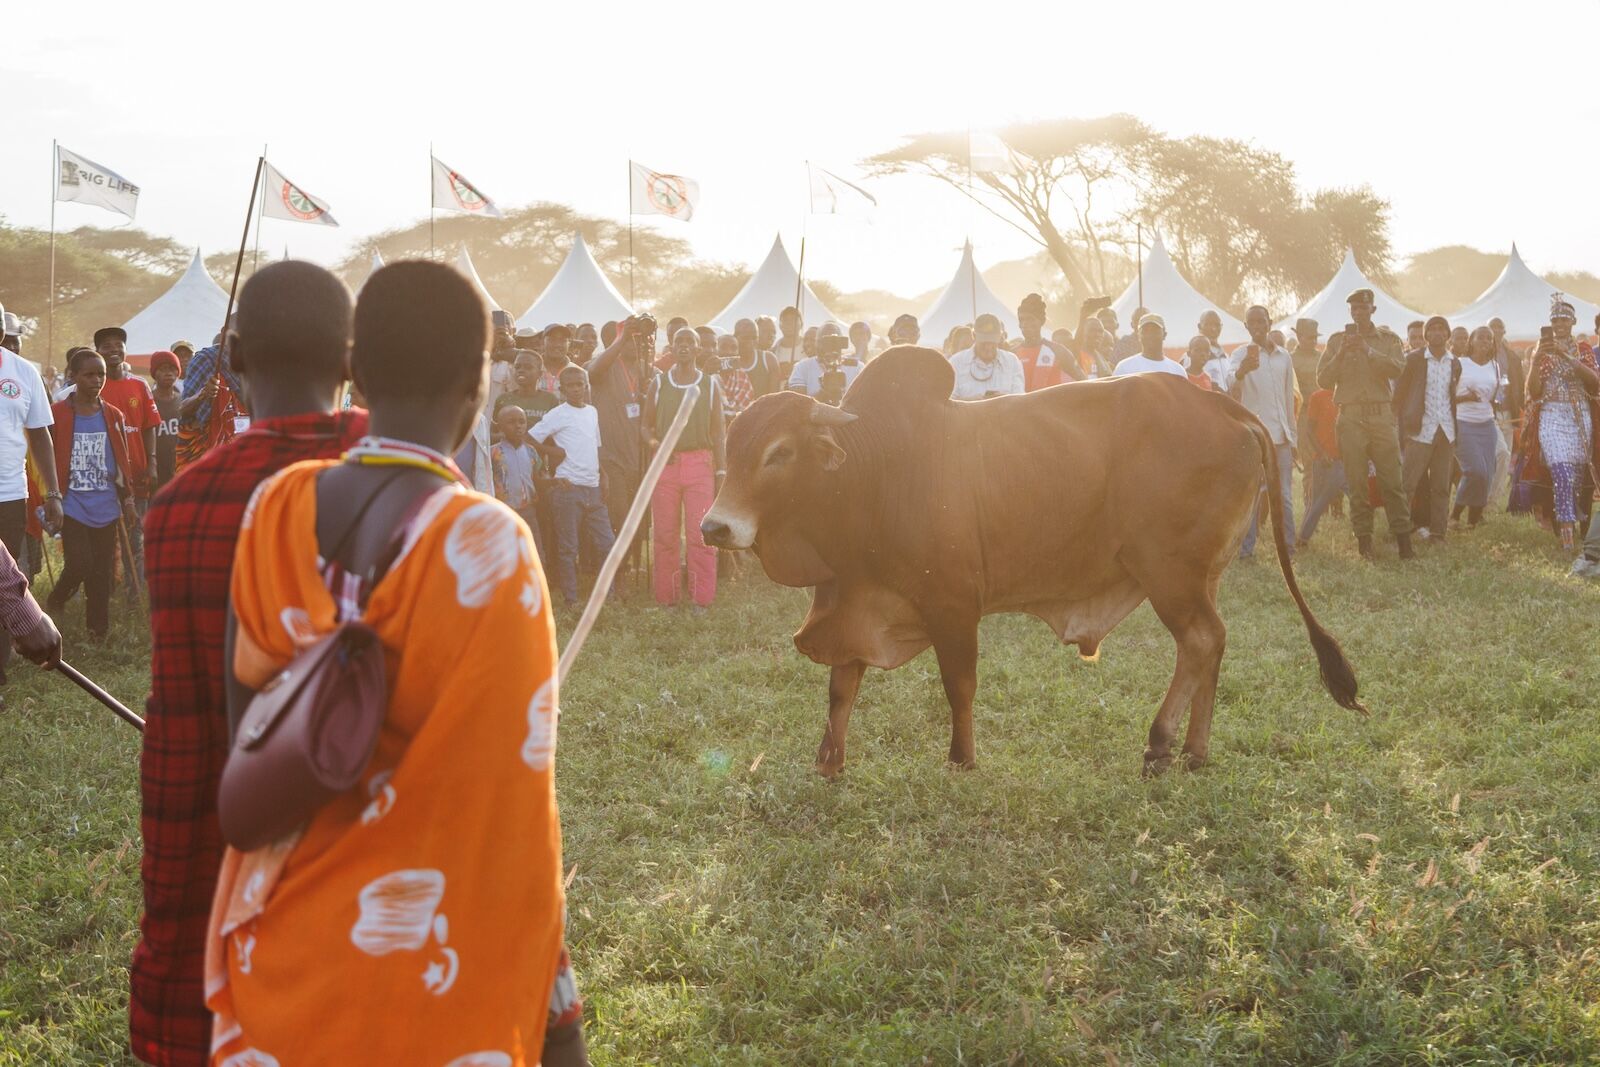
(716, 533)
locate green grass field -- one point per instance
(1422, 887)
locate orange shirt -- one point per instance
(1039, 368)
(1202, 381)
(1324, 416)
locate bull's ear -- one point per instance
(829, 454)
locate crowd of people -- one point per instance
(416, 462)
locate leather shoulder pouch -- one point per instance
(309, 733)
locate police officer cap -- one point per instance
(1361, 296)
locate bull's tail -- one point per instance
(1338, 676)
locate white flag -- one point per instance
(988, 153)
(828, 191)
(87, 182)
(452, 192)
(284, 199)
(655, 193)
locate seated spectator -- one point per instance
(391, 896)
(1152, 358)
(986, 369)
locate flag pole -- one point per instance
(238, 264)
(800, 271)
(630, 233)
(1140, 238)
(55, 187)
(432, 201)
(255, 257)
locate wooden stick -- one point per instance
(78, 679)
(619, 547)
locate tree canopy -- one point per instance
(1233, 216)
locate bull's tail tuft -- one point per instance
(1338, 676)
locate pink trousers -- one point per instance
(680, 502)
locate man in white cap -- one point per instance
(1152, 357)
(986, 369)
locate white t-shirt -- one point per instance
(1140, 365)
(975, 379)
(24, 406)
(577, 433)
(1485, 379)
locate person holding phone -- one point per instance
(1262, 374)
(1562, 389)
(1360, 365)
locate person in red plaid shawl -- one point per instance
(288, 351)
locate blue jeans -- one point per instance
(1327, 484)
(1285, 490)
(580, 510)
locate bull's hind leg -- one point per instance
(957, 650)
(1200, 636)
(1197, 738)
(843, 684)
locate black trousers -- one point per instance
(91, 556)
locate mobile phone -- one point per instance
(1547, 334)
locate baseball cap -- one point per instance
(110, 331)
(174, 346)
(987, 328)
(13, 325)
(1150, 318)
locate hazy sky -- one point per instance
(1448, 109)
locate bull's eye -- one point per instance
(781, 454)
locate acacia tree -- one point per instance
(1231, 213)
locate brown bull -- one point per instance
(914, 516)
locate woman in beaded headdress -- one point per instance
(1562, 386)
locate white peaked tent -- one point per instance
(191, 310)
(578, 293)
(1175, 300)
(771, 289)
(376, 265)
(464, 265)
(964, 299)
(1521, 299)
(1331, 309)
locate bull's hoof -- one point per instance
(830, 768)
(962, 764)
(1192, 761)
(1155, 766)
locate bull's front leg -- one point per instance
(843, 683)
(957, 650)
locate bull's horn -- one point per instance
(826, 415)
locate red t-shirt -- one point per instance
(1203, 381)
(1038, 367)
(133, 399)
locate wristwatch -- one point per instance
(52, 496)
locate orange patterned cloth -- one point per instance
(417, 918)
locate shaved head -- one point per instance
(296, 320)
